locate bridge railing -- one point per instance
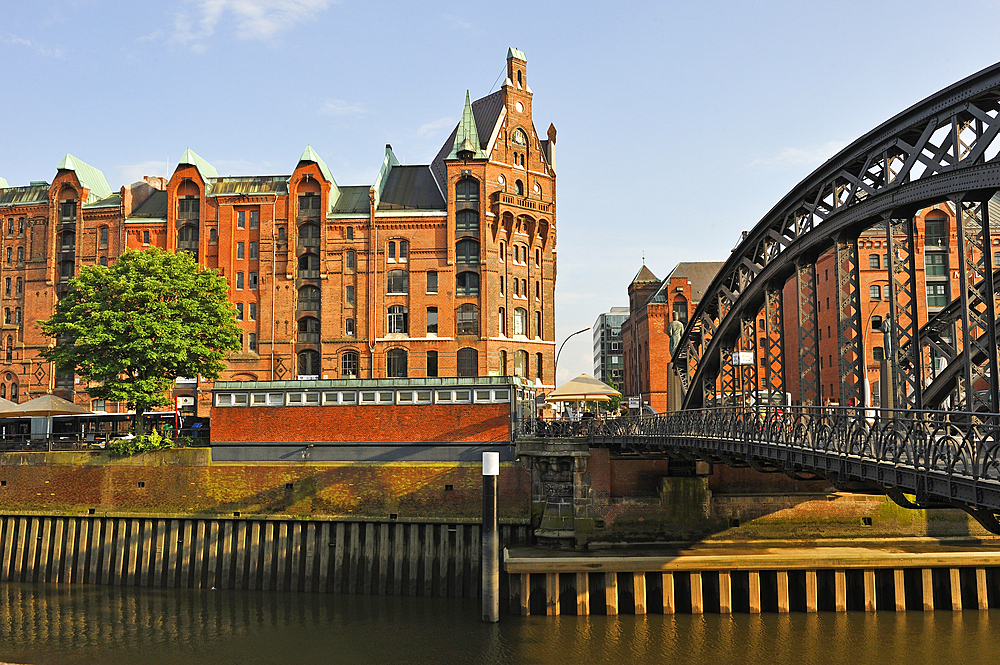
(954, 443)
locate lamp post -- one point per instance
(559, 353)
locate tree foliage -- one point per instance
(132, 328)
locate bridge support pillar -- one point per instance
(812, 600)
(927, 583)
(562, 496)
(754, 588)
(983, 598)
(669, 605)
(582, 594)
(840, 590)
(725, 593)
(871, 603)
(956, 589)
(899, 587)
(783, 604)
(697, 597)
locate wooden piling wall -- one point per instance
(394, 558)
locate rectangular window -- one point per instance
(349, 295)
(349, 327)
(501, 286)
(538, 326)
(252, 311)
(254, 219)
(145, 237)
(349, 259)
(104, 237)
(996, 260)
(253, 251)
(239, 311)
(934, 264)
(241, 219)
(873, 261)
(934, 235)
(402, 251)
(432, 364)
(6, 288)
(240, 250)
(252, 342)
(432, 281)
(239, 281)
(391, 255)
(937, 295)
(432, 320)
(252, 279)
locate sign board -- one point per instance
(743, 357)
(633, 402)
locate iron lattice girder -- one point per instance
(925, 154)
(904, 357)
(808, 338)
(850, 347)
(774, 361)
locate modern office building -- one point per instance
(609, 358)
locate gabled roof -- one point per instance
(310, 155)
(154, 207)
(190, 157)
(411, 188)
(645, 275)
(699, 273)
(113, 201)
(515, 53)
(486, 113)
(89, 177)
(33, 193)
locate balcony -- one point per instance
(521, 202)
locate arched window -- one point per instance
(467, 223)
(503, 322)
(20, 255)
(309, 329)
(467, 189)
(349, 259)
(309, 266)
(467, 284)
(468, 362)
(432, 363)
(309, 298)
(6, 315)
(520, 321)
(350, 233)
(13, 392)
(397, 321)
(395, 363)
(397, 281)
(467, 320)
(349, 365)
(503, 257)
(309, 235)
(213, 236)
(503, 363)
(3, 390)
(538, 324)
(467, 251)
(538, 366)
(67, 241)
(538, 258)
(17, 315)
(102, 237)
(187, 240)
(9, 349)
(309, 366)
(519, 188)
(521, 363)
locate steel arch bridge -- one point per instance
(939, 447)
(943, 149)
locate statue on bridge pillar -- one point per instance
(675, 329)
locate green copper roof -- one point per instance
(309, 155)
(204, 168)
(388, 161)
(89, 177)
(516, 53)
(3, 183)
(467, 136)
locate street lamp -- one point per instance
(555, 370)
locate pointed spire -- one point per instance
(467, 137)
(204, 168)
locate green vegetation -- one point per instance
(131, 328)
(139, 444)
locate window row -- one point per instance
(521, 288)
(251, 282)
(520, 321)
(396, 364)
(521, 364)
(366, 397)
(520, 254)
(20, 287)
(10, 255)
(241, 252)
(12, 317)
(20, 226)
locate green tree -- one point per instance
(133, 327)
(616, 400)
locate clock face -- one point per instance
(520, 107)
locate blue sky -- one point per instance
(680, 124)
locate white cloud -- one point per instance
(340, 107)
(261, 20)
(129, 173)
(435, 126)
(457, 22)
(14, 40)
(801, 156)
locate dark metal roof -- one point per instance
(486, 111)
(353, 199)
(21, 195)
(411, 188)
(645, 275)
(699, 273)
(260, 184)
(154, 207)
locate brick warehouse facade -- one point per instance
(446, 269)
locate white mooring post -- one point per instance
(491, 539)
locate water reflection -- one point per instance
(58, 625)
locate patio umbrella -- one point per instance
(583, 388)
(6, 405)
(45, 406)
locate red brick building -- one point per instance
(652, 305)
(444, 269)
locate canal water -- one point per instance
(62, 625)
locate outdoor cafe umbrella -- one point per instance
(6, 405)
(583, 388)
(45, 406)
